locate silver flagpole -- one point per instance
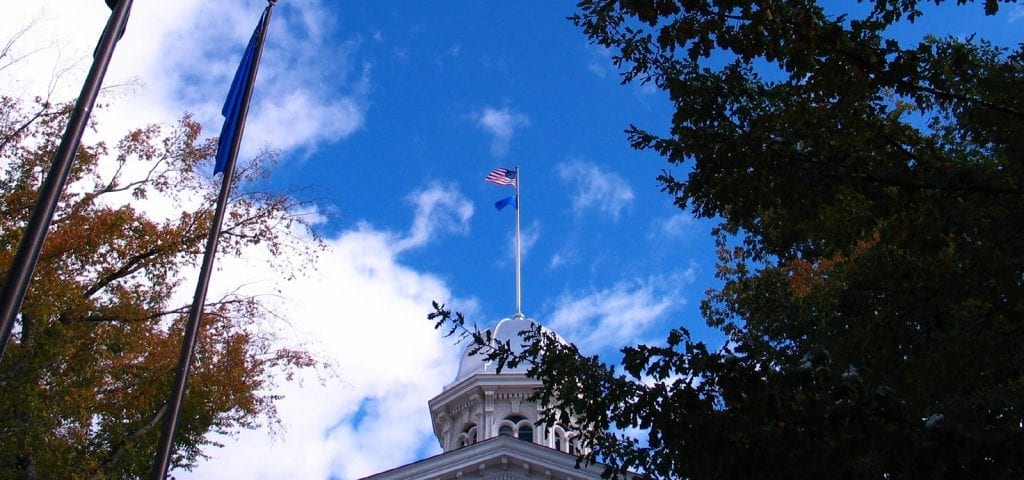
(519, 258)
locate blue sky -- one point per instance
(387, 116)
(458, 91)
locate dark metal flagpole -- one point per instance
(25, 259)
(177, 397)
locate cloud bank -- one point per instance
(362, 309)
(180, 56)
(618, 315)
(366, 312)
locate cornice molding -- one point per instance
(492, 458)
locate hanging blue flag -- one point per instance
(232, 110)
(500, 204)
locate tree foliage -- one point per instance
(83, 383)
(870, 192)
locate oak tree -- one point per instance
(870, 191)
(84, 382)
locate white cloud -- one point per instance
(563, 258)
(619, 315)
(600, 61)
(1016, 13)
(528, 237)
(601, 64)
(439, 208)
(362, 309)
(180, 56)
(501, 124)
(606, 192)
(46, 56)
(366, 312)
(677, 225)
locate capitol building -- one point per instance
(488, 427)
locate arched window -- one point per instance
(572, 444)
(516, 426)
(466, 437)
(558, 441)
(525, 432)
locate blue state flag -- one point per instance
(500, 204)
(232, 110)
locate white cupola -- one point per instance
(487, 426)
(481, 404)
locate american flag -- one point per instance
(502, 176)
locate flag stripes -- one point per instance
(502, 176)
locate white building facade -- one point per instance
(488, 427)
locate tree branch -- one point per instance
(953, 96)
(99, 472)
